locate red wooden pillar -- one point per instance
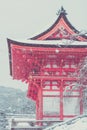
(61, 100)
(39, 105)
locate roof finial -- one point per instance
(61, 11)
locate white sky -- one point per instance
(22, 19)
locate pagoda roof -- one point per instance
(48, 43)
(61, 29)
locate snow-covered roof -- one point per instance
(77, 123)
(51, 42)
(61, 33)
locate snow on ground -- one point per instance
(77, 123)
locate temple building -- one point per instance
(49, 64)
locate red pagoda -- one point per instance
(49, 62)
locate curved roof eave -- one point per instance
(46, 43)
